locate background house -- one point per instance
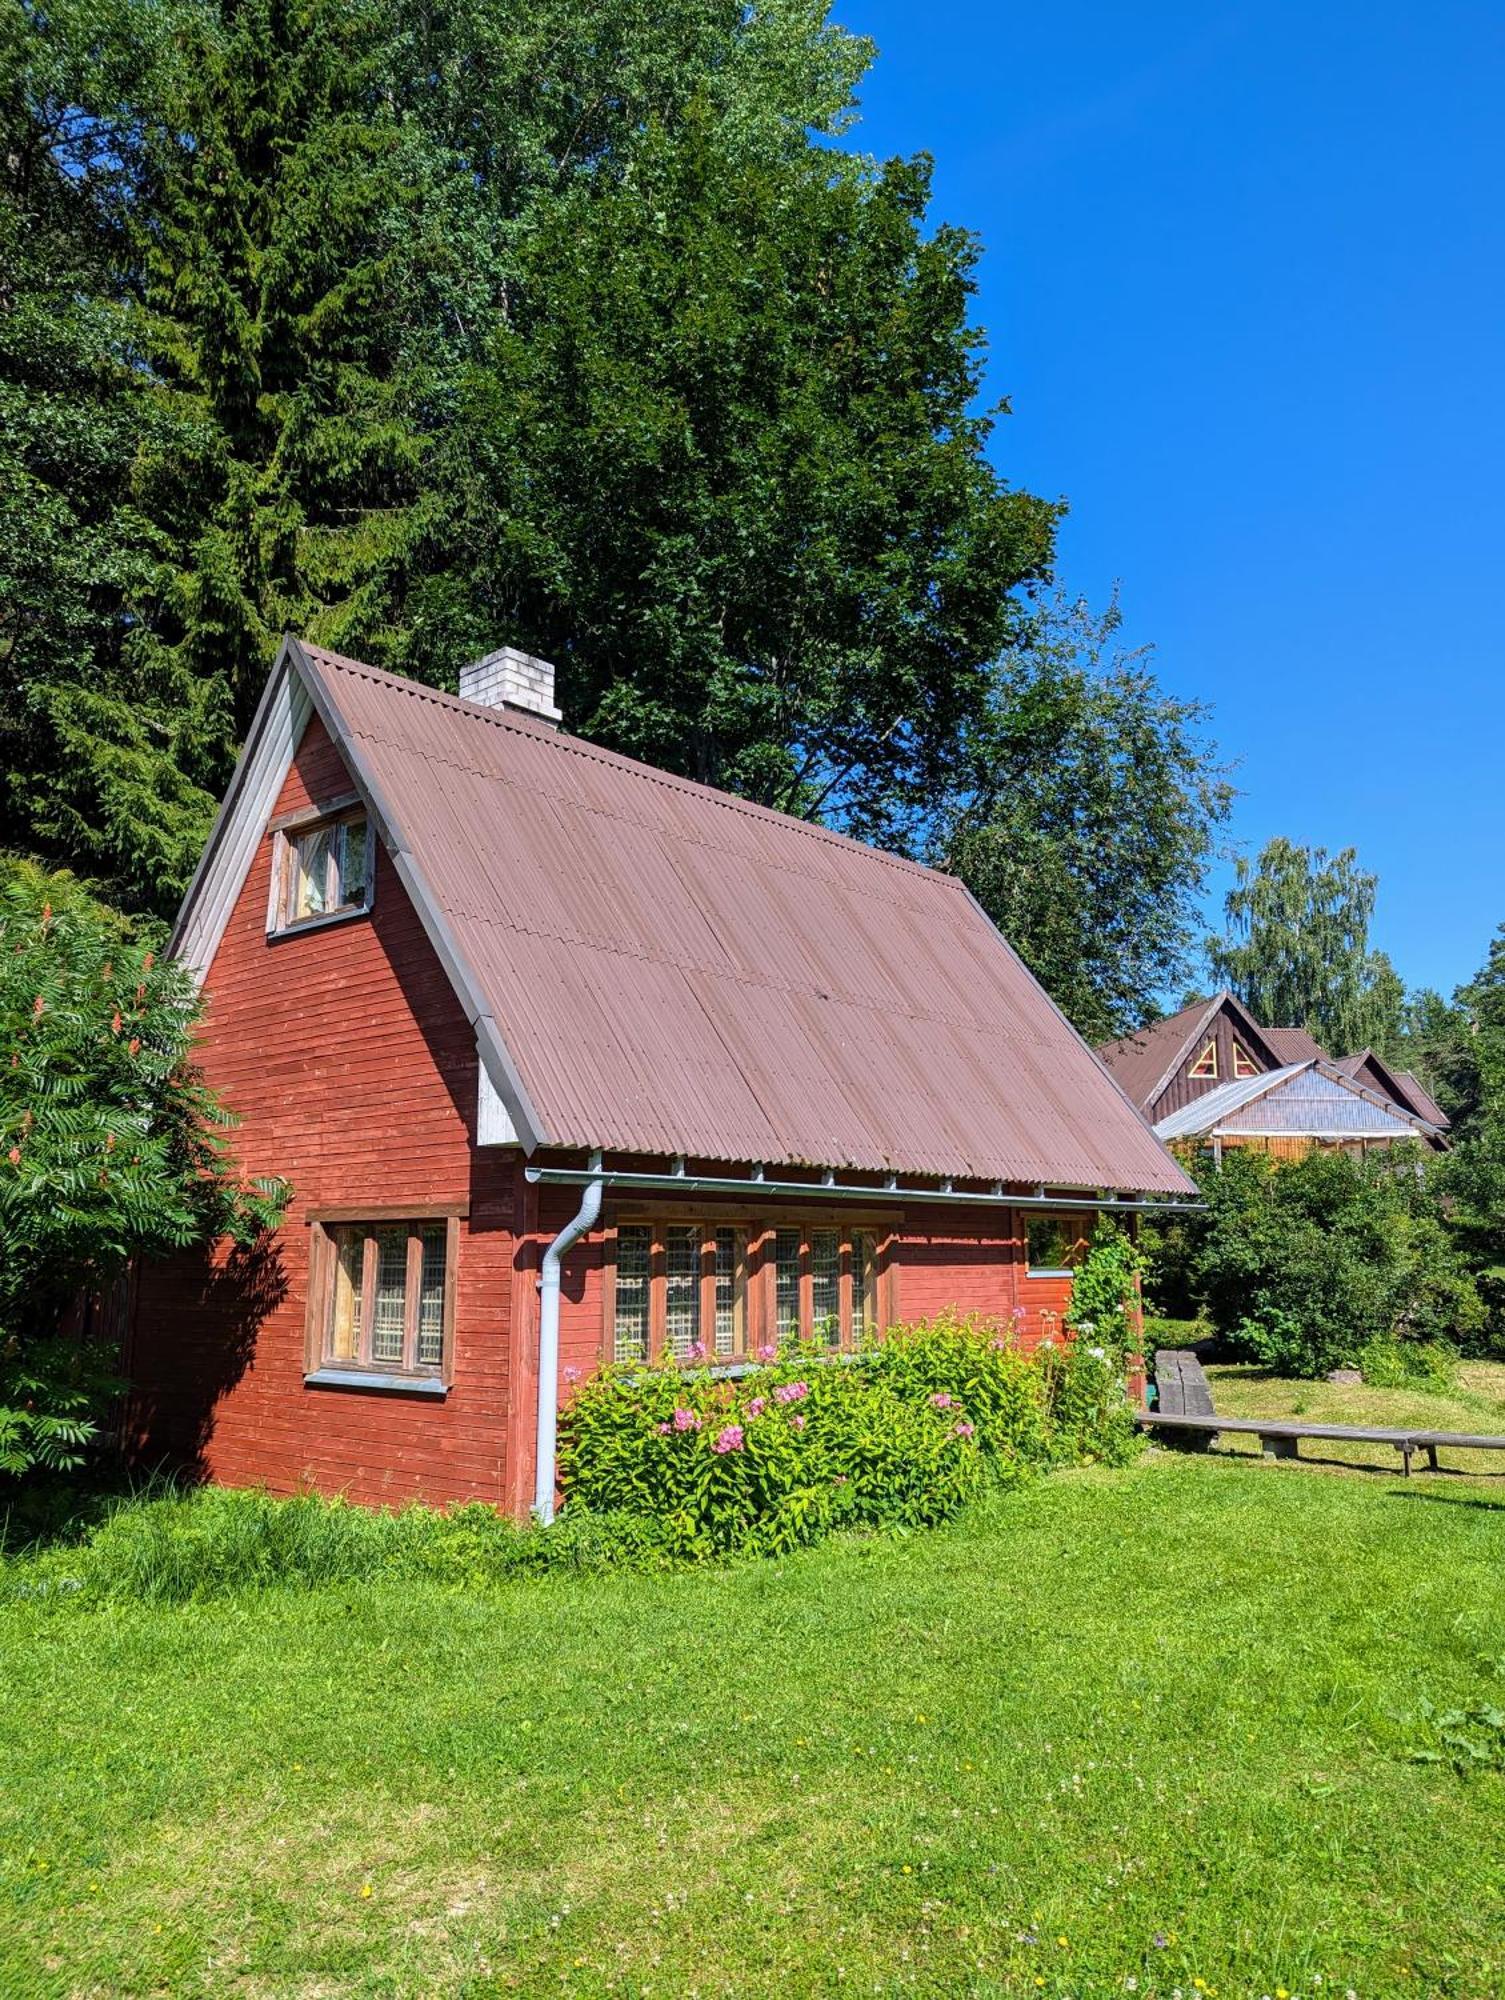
(569, 1060)
(1211, 1075)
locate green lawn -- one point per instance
(1477, 1405)
(1126, 1727)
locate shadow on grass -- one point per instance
(1488, 1502)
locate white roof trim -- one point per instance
(281, 717)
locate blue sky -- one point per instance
(1244, 283)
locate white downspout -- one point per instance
(584, 1218)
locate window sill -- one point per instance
(368, 1378)
(318, 923)
(1066, 1273)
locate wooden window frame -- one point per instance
(755, 1290)
(286, 834)
(326, 1229)
(1244, 1064)
(1206, 1064)
(1067, 1219)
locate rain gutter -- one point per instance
(828, 1190)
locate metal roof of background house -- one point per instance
(1311, 1099)
(1294, 1045)
(674, 970)
(1401, 1084)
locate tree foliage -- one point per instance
(1083, 816)
(1296, 949)
(1306, 1265)
(111, 1145)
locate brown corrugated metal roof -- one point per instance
(1142, 1061)
(1421, 1099)
(1401, 1084)
(674, 970)
(1294, 1045)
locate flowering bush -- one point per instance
(903, 1434)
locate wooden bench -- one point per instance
(1281, 1438)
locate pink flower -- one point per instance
(941, 1401)
(798, 1420)
(697, 1350)
(572, 1374)
(756, 1407)
(791, 1392)
(966, 1430)
(1019, 1313)
(731, 1439)
(686, 1420)
(662, 1429)
(767, 1353)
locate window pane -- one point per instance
(786, 1271)
(391, 1295)
(728, 1294)
(682, 1294)
(630, 1340)
(825, 1285)
(863, 1287)
(352, 883)
(311, 873)
(345, 1309)
(431, 1298)
(1051, 1241)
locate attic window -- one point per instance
(1206, 1064)
(321, 870)
(1243, 1063)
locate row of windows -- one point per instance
(714, 1290)
(382, 1294)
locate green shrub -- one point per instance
(767, 1461)
(1410, 1364)
(1304, 1266)
(902, 1434)
(1105, 1290)
(1003, 1392)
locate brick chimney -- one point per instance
(510, 679)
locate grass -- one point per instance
(1147, 1725)
(1477, 1404)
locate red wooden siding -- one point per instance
(354, 1070)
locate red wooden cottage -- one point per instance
(568, 1059)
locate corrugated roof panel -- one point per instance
(1301, 1099)
(678, 971)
